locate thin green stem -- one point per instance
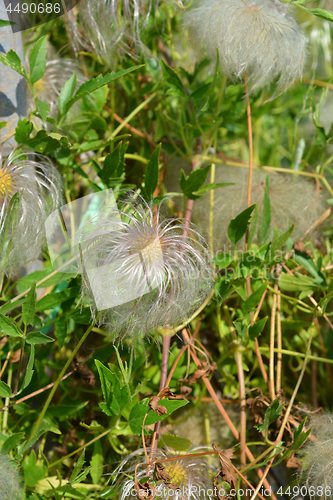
(61, 374)
(131, 115)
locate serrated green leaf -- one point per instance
(139, 411)
(238, 226)
(33, 472)
(272, 413)
(37, 60)
(254, 299)
(12, 60)
(37, 338)
(66, 93)
(151, 176)
(173, 80)
(116, 396)
(256, 329)
(8, 327)
(23, 131)
(95, 83)
(29, 306)
(189, 185)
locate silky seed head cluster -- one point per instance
(293, 200)
(193, 475)
(9, 479)
(114, 26)
(29, 191)
(256, 38)
(141, 269)
(317, 461)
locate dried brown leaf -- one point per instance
(227, 471)
(160, 475)
(145, 490)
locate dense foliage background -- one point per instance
(73, 401)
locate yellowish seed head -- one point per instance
(6, 183)
(39, 86)
(176, 471)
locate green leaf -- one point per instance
(5, 390)
(6, 23)
(37, 338)
(26, 282)
(151, 176)
(116, 396)
(209, 187)
(272, 413)
(307, 262)
(55, 298)
(111, 165)
(23, 131)
(29, 369)
(12, 60)
(78, 466)
(299, 439)
(97, 462)
(61, 330)
(2, 125)
(277, 244)
(193, 182)
(176, 442)
(256, 329)
(37, 60)
(254, 299)
(254, 222)
(297, 283)
(28, 308)
(266, 215)
(66, 93)
(200, 92)
(323, 14)
(95, 83)
(8, 327)
(11, 442)
(139, 411)
(44, 109)
(65, 411)
(223, 260)
(33, 472)
(82, 318)
(238, 226)
(173, 80)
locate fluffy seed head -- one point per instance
(29, 191)
(143, 270)
(9, 479)
(190, 474)
(258, 38)
(293, 200)
(317, 460)
(114, 25)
